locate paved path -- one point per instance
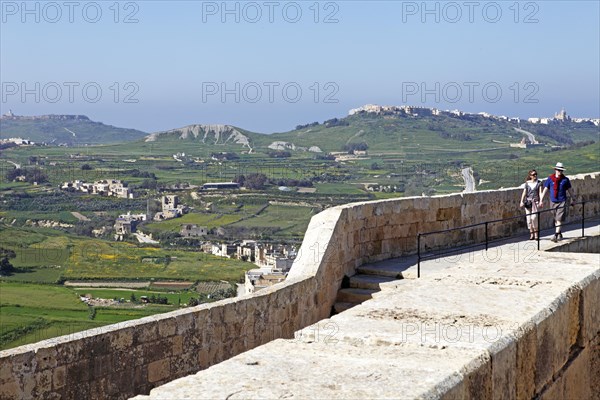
(79, 216)
(530, 135)
(519, 246)
(467, 174)
(17, 166)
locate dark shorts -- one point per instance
(559, 210)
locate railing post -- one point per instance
(583, 219)
(538, 229)
(419, 255)
(486, 235)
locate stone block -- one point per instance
(157, 350)
(177, 345)
(553, 392)
(591, 309)
(59, 377)
(229, 313)
(376, 234)
(131, 356)
(23, 364)
(446, 214)
(203, 358)
(6, 370)
(159, 370)
(43, 383)
(577, 379)
(364, 236)
(526, 357)
(78, 372)
(479, 381)
(10, 390)
(421, 203)
(216, 315)
(46, 357)
(456, 392)
(102, 365)
(553, 345)
(146, 333)
(184, 364)
(594, 367)
(121, 339)
(504, 363)
(167, 327)
(215, 352)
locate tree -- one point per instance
(255, 181)
(351, 147)
(240, 179)
(6, 268)
(279, 154)
(149, 184)
(12, 174)
(31, 175)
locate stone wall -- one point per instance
(588, 244)
(556, 355)
(125, 359)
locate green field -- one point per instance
(33, 312)
(33, 307)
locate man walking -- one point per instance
(559, 185)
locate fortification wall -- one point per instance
(125, 359)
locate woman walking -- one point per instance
(530, 200)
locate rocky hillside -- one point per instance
(209, 134)
(64, 130)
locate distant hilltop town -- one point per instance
(416, 111)
(11, 116)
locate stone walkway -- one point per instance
(421, 338)
(518, 246)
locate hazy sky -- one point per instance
(268, 66)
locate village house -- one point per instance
(193, 230)
(126, 224)
(170, 208)
(112, 187)
(273, 261)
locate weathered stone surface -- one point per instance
(577, 383)
(594, 367)
(526, 356)
(59, 377)
(167, 327)
(159, 370)
(480, 327)
(504, 371)
(6, 372)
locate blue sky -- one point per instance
(268, 66)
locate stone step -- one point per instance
(353, 295)
(372, 282)
(339, 306)
(388, 269)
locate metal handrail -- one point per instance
(486, 224)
